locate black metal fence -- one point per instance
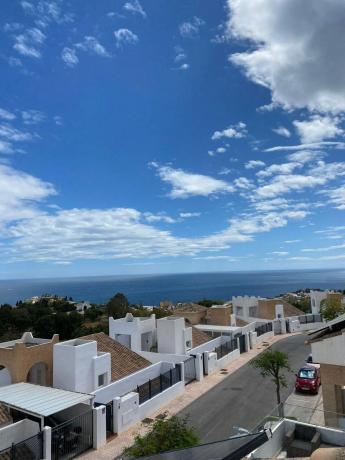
(263, 328)
(189, 370)
(73, 437)
(155, 386)
(242, 343)
(29, 449)
(226, 348)
(305, 319)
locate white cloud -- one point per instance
(125, 37)
(243, 183)
(133, 6)
(19, 194)
(282, 184)
(91, 44)
(284, 168)
(29, 43)
(32, 117)
(280, 253)
(318, 128)
(6, 115)
(46, 12)
(6, 147)
(282, 131)
(15, 135)
(221, 150)
(337, 197)
(191, 28)
(293, 46)
(185, 184)
(305, 156)
(312, 146)
(69, 56)
(187, 215)
(325, 249)
(254, 164)
(292, 241)
(233, 131)
(184, 66)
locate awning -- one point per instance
(39, 400)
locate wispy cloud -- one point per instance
(252, 164)
(311, 146)
(69, 56)
(190, 29)
(134, 6)
(236, 131)
(92, 45)
(184, 184)
(32, 117)
(125, 37)
(282, 131)
(317, 128)
(29, 43)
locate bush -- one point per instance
(164, 435)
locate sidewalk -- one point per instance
(115, 445)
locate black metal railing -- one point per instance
(29, 449)
(157, 385)
(226, 348)
(306, 319)
(263, 328)
(72, 437)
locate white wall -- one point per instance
(330, 350)
(172, 335)
(127, 411)
(316, 297)
(134, 327)
(130, 383)
(242, 304)
(165, 357)
(209, 346)
(273, 446)
(77, 365)
(17, 432)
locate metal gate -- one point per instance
(109, 416)
(287, 322)
(73, 437)
(242, 342)
(189, 370)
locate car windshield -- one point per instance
(306, 373)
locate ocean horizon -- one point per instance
(151, 289)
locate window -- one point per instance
(307, 374)
(102, 379)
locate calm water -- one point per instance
(183, 287)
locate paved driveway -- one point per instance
(244, 398)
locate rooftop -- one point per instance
(38, 400)
(123, 360)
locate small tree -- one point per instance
(273, 363)
(332, 307)
(164, 435)
(118, 306)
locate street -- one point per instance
(244, 398)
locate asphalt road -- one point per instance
(244, 398)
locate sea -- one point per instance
(151, 289)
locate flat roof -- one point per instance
(215, 328)
(39, 400)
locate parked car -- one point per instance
(308, 379)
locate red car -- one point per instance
(308, 379)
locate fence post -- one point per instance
(160, 383)
(150, 395)
(170, 372)
(13, 451)
(47, 442)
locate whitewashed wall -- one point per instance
(17, 432)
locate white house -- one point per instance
(173, 336)
(245, 306)
(82, 306)
(316, 297)
(133, 332)
(78, 366)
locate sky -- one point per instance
(171, 136)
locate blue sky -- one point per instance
(176, 136)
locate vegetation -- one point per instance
(273, 363)
(332, 307)
(164, 435)
(55, 315)
(303, 303)
(209, 302)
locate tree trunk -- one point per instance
(280, 406)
